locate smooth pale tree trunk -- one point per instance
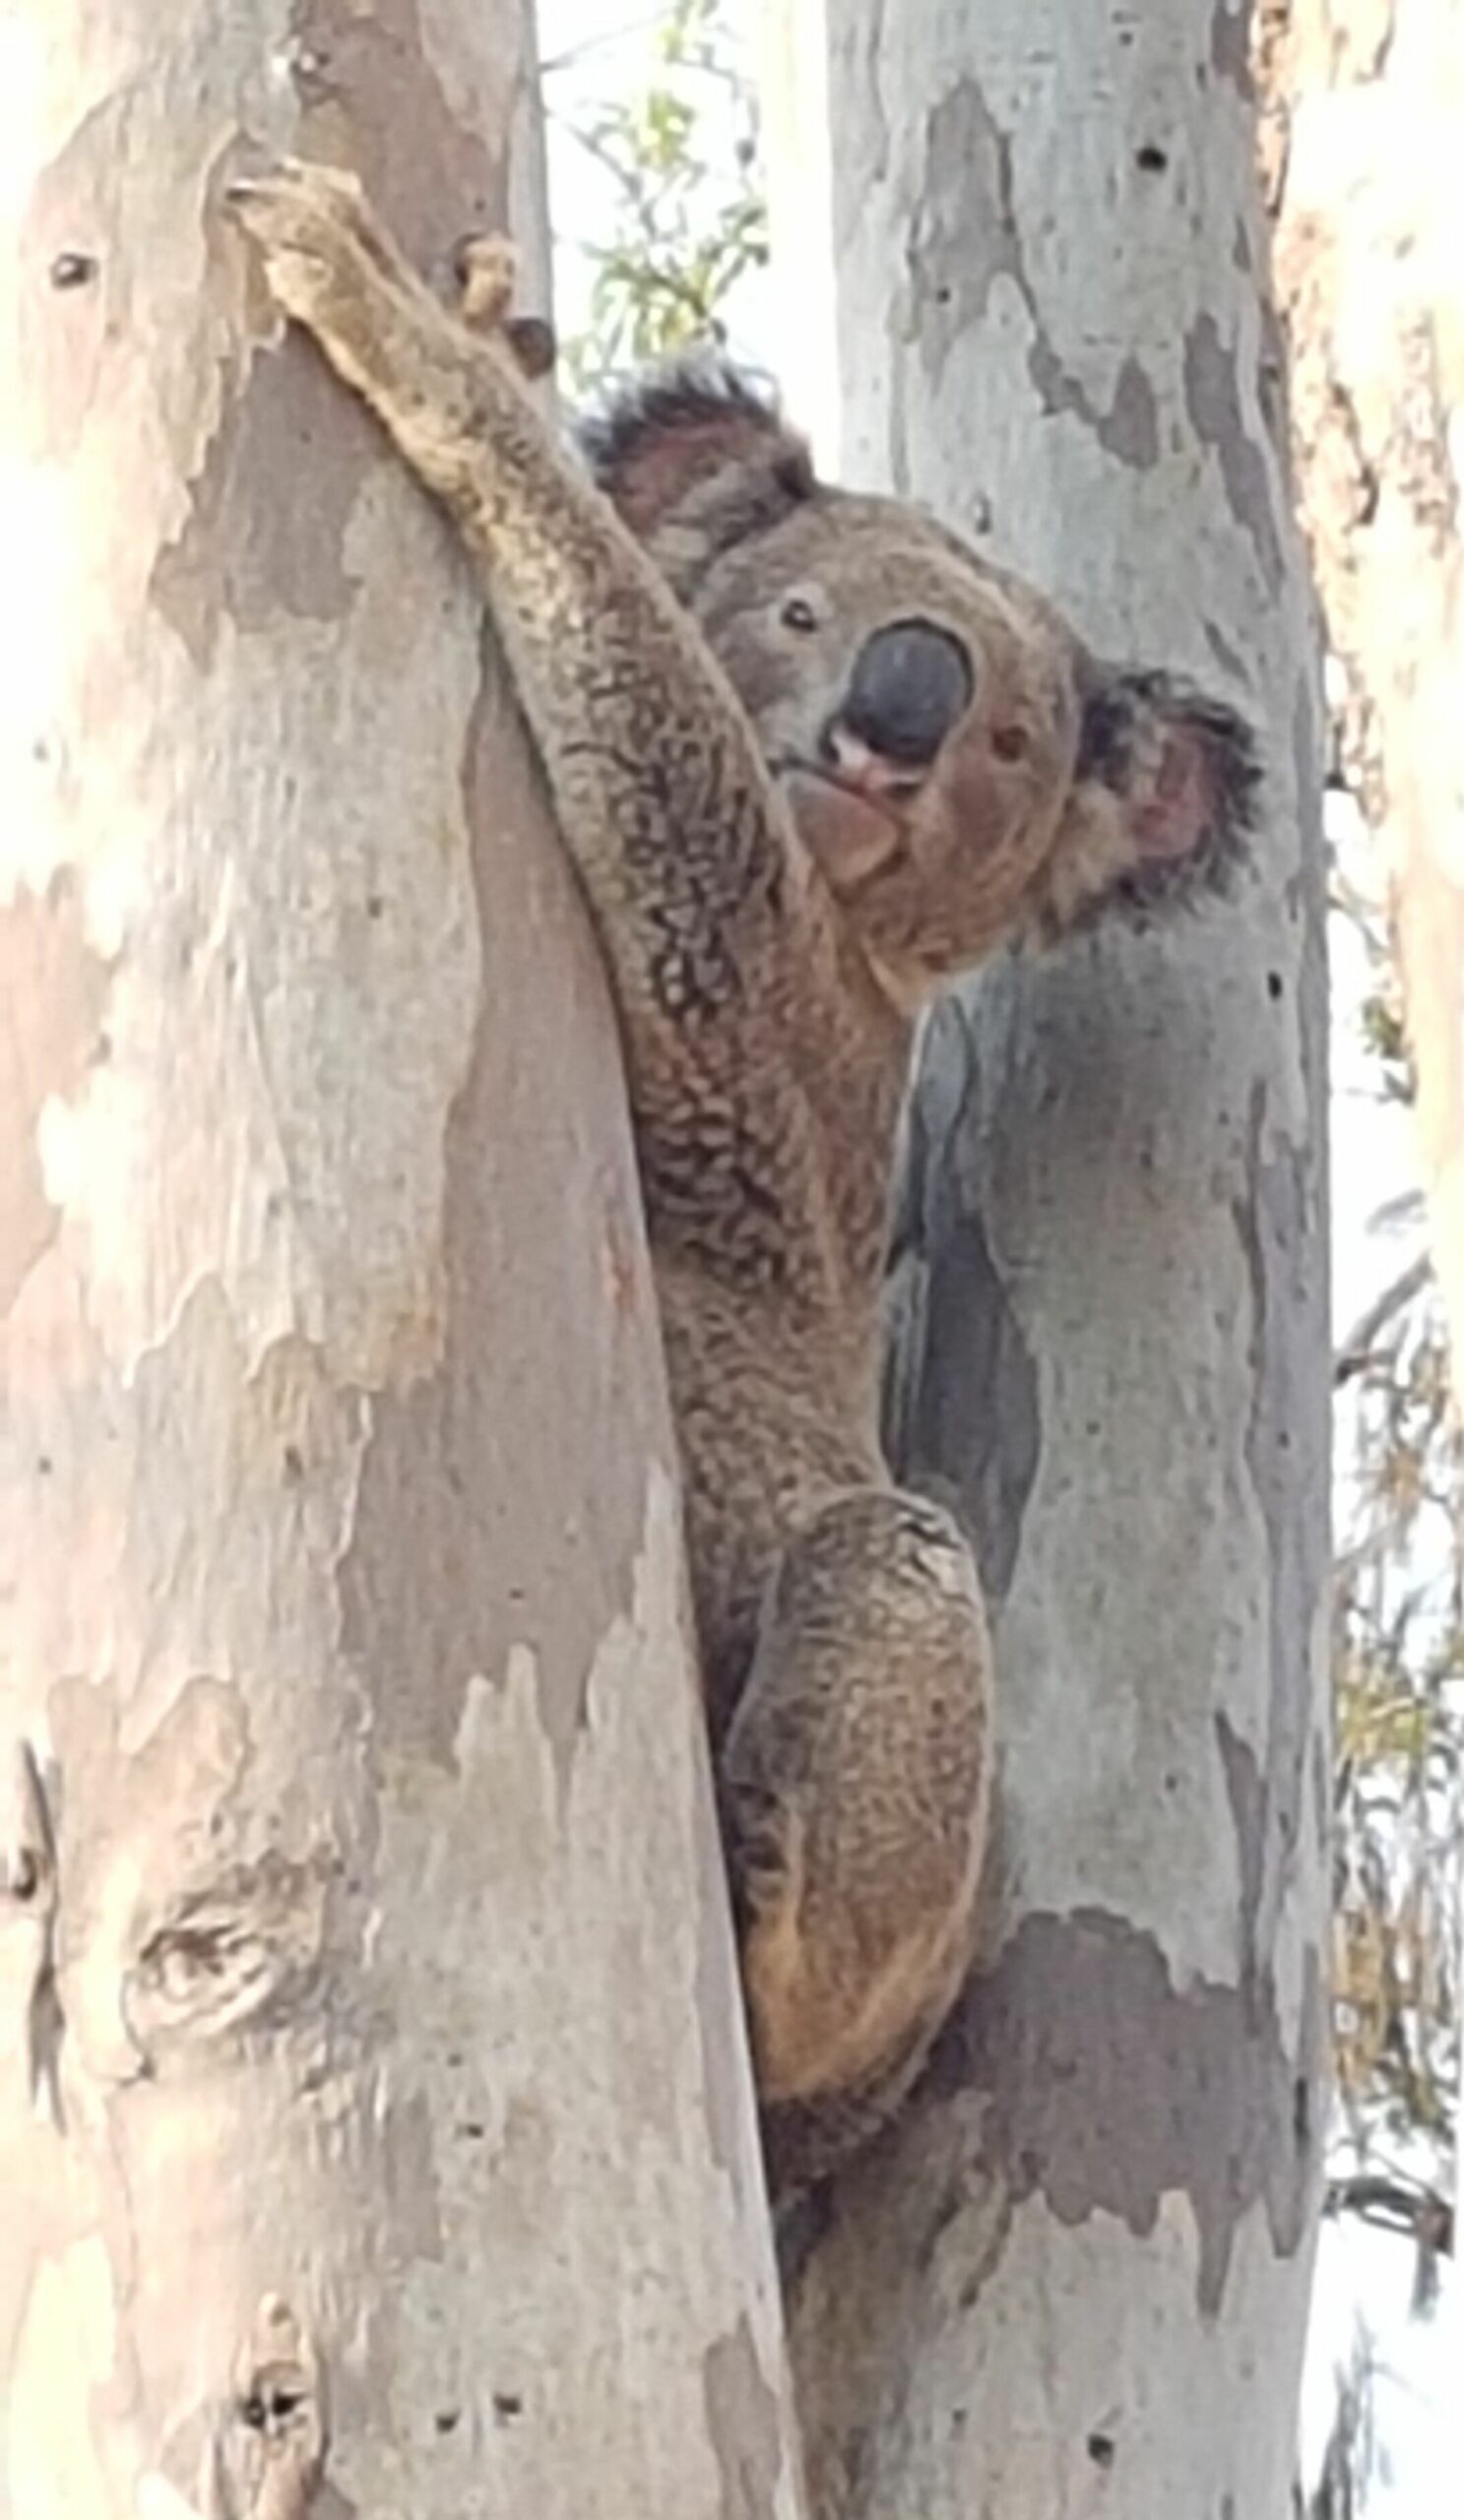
(375, 2130)
(1366, 180)
(1366, 108)
(1075, 2280)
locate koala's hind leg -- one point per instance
(803, 2141)
(855, 1780)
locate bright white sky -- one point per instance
(593, 50)
(601, 47)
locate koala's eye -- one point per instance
(798, 614)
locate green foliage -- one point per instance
(1398, 1673)
(1379, 1013)
(1383, 1030)
(1400, 1742)
(680, 151)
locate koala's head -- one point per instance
(960, 769)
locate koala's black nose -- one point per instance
(909, 685)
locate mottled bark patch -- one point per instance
(1211, 396)
(371, 71)
(1103, 2086)
(966, 235)
(54, 989)
(1230, 46)
(1127, 429)
(266, 521)
(476, 1529)
(69, 338)
(743, 2425)
(1226, 655)
(1286, 1451)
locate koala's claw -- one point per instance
(316, 232)
(295, 201)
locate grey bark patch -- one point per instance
(1131, 428)
(266, 528)
(967, 236)
(1287, 1456)
(1272, 387)
(744, 2426)
(1128, 429)
(1230, 46)
(1212, 395)
(1246, 1790)
(964, 235)
(1104, 2087)
(434, 174)
(473, 1529)
(1226, 655)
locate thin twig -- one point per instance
(1403, 2205)
(1355, 1353)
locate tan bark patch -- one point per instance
(52, 991)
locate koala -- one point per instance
(811, 757)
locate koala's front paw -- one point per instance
(319, 237)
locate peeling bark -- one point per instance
(1075, 2279)
(375, 2124)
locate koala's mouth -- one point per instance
(856, 833)
(879, 787)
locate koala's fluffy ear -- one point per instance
(696, 458)
(1164, 798)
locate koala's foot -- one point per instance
(805, 2141)
(856, 1782)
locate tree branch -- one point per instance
(1356, 1351)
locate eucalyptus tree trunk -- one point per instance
(1367, 177)
(1366, 108)
(1075, 2279)
(375, 2130)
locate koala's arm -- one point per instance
(697, 882)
